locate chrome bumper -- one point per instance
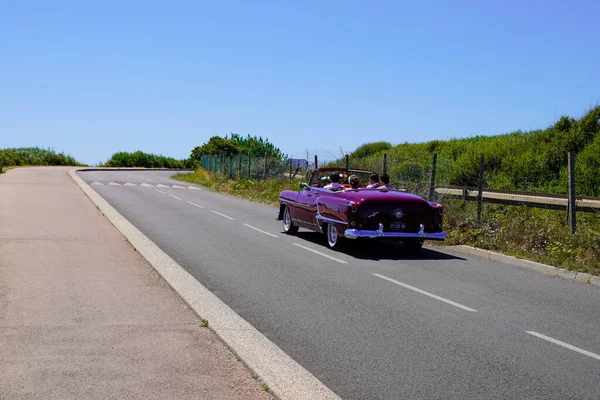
(359, 233)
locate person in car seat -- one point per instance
(373, 181)
(385, 182)
(335, 182)
(354, 182)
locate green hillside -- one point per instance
(532, 161)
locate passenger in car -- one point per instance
(373, 181)
(384, 182)
(335, 182)
(354, 182)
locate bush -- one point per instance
(140, 159)
(35, 156)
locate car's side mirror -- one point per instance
(303, 185)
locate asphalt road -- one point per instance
(373, 322)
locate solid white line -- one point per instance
(222, 215)
(159, 191)
(194, 204)
(425, 293)
(175, 197)
(260, 230)
(563, 344)
(319, 253)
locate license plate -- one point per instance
(397, 226)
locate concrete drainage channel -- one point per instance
(285, 377)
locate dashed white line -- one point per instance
(260, 230)
(222, 215)
(194, 204)
(175, 197)
(563, 344)
(425, 293)
(319, 253)
(160, 191)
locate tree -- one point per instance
(215, 145)
(236, 144)
(257, 146)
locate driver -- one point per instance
(335, 182)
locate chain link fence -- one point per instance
(476, 182)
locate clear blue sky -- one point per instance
(93, 78)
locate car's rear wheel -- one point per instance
(413, 246)
(334, 240)
(288, 226)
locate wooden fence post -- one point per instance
(316, 162)
(249, 166)
(265, 172)
(347, 163)
(480, 189)
(384, 171)
(432, 178)
(572, 204)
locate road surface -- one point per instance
(373, 322)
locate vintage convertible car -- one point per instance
(359, 213)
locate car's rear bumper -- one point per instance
(360, 233)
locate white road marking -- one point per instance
(563, 344)
(147, 185)
(426, 293)
(178, 187)
(96, 183)
(260, 230)
(321, 254)
(160, 191)
(129, 184)
(175, 197)
(162, 186)
(222, 215)
(194, 204)
(194, 188)
(114, 184)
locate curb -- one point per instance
(547, 269)
(285, 377)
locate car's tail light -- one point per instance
(353, 206)
(440, 208)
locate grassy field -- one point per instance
(533, 234)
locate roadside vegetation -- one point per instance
(528, 161)
(140, 159)
(34, 156)
(262, 191)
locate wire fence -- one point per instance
(440, 180)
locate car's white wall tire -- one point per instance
(334, 240)
(288, 225)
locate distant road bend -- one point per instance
(374, 323)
